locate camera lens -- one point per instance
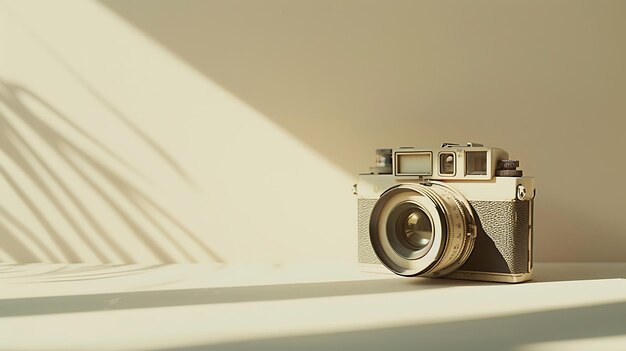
(422, 229)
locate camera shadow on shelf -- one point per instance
(220, 295)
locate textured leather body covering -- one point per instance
(366, 252)
(502, 244)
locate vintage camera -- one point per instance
(460, 211)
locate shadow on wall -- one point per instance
(347, 77)
(116, 191)
(496, 333)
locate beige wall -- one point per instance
(232, 130)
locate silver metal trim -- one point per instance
(491, 276)
(464, 275)
(470, 144)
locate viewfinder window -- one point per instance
(415, 163)
(476, 163)
(447, 163)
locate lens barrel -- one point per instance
(422, 229)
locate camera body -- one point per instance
(461, 211)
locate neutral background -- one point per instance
(165, 131)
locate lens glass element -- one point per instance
(410, 230)
(417, 228)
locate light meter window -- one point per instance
(414, 163)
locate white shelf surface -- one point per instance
(568, 306)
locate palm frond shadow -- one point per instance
(27, 159)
